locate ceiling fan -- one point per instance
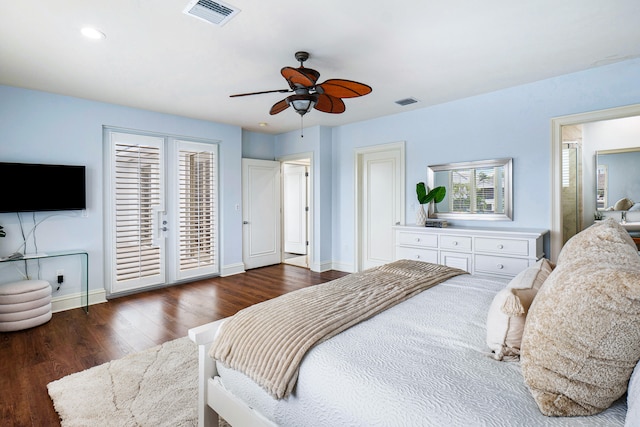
(326, 97)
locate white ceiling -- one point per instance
(157, 58)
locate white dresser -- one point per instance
(496, 252)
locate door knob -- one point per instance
(245, 222)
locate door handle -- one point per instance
(245, 222)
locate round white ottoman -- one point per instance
(24, 304)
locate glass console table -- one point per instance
(84, 290)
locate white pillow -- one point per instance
(633, 399)
(505, 322)
(508, 310)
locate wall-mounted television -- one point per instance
(29, 187)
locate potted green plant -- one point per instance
(435, 195)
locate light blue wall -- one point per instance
(515, 123)
(258, 145)
(43, 127)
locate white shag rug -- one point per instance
(156, 387)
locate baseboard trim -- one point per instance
(347, 268)
(68, 302)
(230, 270)
(321, 267)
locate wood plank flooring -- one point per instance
(74, 341)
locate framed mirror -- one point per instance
(480, 190)
(617, 179)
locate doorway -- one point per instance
(296, 211)
(161, 210)
(587, 197)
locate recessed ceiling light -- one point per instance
(263, 124)
(92, 33)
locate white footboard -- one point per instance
(203, 336)
(213, 399)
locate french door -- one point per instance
(147, 243)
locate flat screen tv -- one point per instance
(28, 187)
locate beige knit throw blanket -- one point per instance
(267, 341)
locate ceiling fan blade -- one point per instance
(300, 76)
(340, 88)
(330, 104)
(259, 93)
(279, 106)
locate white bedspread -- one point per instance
(423, 362)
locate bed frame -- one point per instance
(214, 400)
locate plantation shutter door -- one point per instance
(197, 209)
(138, 209)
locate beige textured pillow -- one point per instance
(582, 335)
(508, 310)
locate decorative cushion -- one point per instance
(581, 338)
(507, 313)
(623, 204)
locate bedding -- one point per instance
(267, 341)
(423, 362)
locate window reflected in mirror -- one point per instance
(475, 190)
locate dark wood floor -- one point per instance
(74, 341)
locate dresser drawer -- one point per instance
(499, 265)
(456, 243)
(502, 246)
(459, 260)
(425, 255)
(417, 239)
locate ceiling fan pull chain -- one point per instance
(301, 126)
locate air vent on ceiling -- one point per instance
(406, 101)
(215, 12)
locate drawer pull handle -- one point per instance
(417, 256)
(417, 239)
(500, 246)
(500, 266)
(454, 243)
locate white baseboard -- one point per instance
(347, 268)
(229, 270)
(69, 302)
(321, 267)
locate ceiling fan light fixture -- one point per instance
(302, 103)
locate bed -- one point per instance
(422, 362)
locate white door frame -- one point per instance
(555, 241)
(359, 154)
(310, 197)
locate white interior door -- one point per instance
(261, 239)
(295, 208)
(381, 183)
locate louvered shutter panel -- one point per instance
(138, 196)
(197, 193)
